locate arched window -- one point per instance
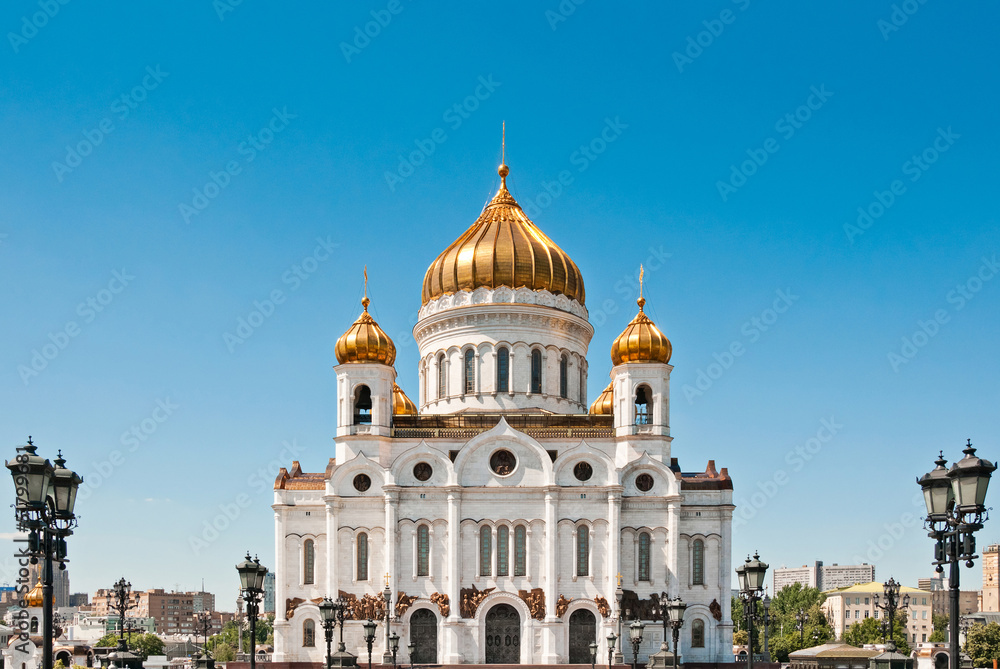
(563, 377)
(442, 378)
(469, 372)
(423, 550)
(362, 405)
(642, 405)
(582, 550)
(503, 370)
(309, 561)
(644, 556)
(503, 542)
(34, 625)
(520, 551)
(485, 549)
(309, 634)
(583, 386)
(698, 562)
(536, 371)
(362, 557)
(698, 633)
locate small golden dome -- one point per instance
(641, 341)
(35, 597)
(365, 341)
(401, 404)
(604, 404)
(503, 248)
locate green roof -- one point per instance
(876, 588)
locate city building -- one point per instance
(822, 576)
(267, 606)
(78, 599)
(174, 612)
(846, 606)
(968, 602)
(991, 578)
(500, 511)
(203, 601)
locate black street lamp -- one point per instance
(635, 635)
(751, 576)
(328, 616)
(593, 654)
(619, 596)
(239, 624)
(121, 604)
(394, 647)
(890, 590)
(333, 613)
(252, 575)
(800, 625)
(410, 647)
(387, 598)
(612, 638)
(956, 509)
(370, 626)
(205, 624)
(46, 498)
(676, 608)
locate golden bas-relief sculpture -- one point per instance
(404, 602)
(442, 601)
(561, 605)
(471, 599)
(602, 606)
(535, 601)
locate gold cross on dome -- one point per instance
(619, 579)
(503, 144)
(387, 579)
(642, 272)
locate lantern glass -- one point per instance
(369, 631)
(677, 608)
(327, 610)
(65, 483)
(612, 638)
(635, 631)
(32, 476)
(741, 574)
(248, 573)
(394, 642)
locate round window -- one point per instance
(503, 462)
(422, 471)
(583, 471)
(362, 482)
(644, 482)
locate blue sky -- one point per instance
(166, 165)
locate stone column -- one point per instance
(332, 534)
(549, 631)
(453, 624)
(280, 585)
(614, 561)
(391, 508)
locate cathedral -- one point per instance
(509, 521)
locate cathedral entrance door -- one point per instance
(423, 633)
(582, 633)
(503, 635)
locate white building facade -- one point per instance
(503, 513)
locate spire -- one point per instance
(642, 300)
(504, 170)
(365, 301)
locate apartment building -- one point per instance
(846, 606)
(824, 577)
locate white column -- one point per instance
(549, 651)
(332, 534)
(280, 584)
(453, 624)
(614, 539)
(391, 503)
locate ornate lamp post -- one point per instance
(410, 647)
(332, 615)
(205, 624)
(767, 625)
(635, 635)
(328, 616)
(239, 623)
(956, 509)
(394, 647)
(370, 626)
(890, 589)
(676, 608)
(122, 603)
(619, 596)
(46, 498)
(388, 654)
(593, 654)
(800, 625)
(612, 637)
(751, 576)
(252, 575)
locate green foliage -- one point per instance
(59, 665)
(982, 643)
(783, 634)
(230, 636)
(740, 638)
(869, 630)
(223, 652)
(940, 628)
(142, 644)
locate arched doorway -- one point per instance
(941, 661)
(423, 634)
(503, 635)
(66, 658)
(582, 633)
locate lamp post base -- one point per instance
(343, 659)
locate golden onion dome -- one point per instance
(503, 248)
(35, 596)
(401, 404)
(641, 341)
(365, 341)
(604, 404)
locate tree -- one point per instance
(740, 638)
(869, 630)
(223, 652)
(142, 644)
(982, 643)
(940, 627)
(784, 636)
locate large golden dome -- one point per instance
(503, 248)
(401, 404)
(365, 341)
(34, 598)
(641, 341)
(605, 402)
